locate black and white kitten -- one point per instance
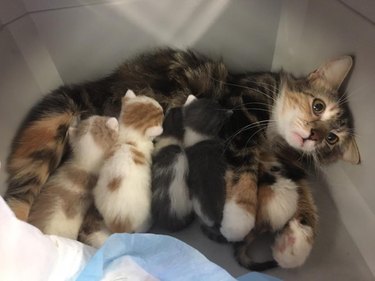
(203, 119)
(171, 204)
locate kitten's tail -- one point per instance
(37, 150)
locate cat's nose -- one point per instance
(315, 135)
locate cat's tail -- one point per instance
(37, 149)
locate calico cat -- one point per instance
(203, 120)
(172, 208)
(60, 207)
(307, 114)
(285, 207)
(123, 191)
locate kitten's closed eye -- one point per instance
(275, 169)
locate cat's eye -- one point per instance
(332, 138)
(318, 106)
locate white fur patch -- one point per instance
(88, 154)
(292, 247)
(59, 224)
(236, 223)
(283, 204)
(181, 204)
(198, 211)
(132, 200)
(97, 238)
(113, 124)
(191, 137)
(164, 142)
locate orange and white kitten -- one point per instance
(60, 207)
(286, 207)
(123, 191)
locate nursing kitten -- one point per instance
(172, 208)
(285, 207)
(307, 114)
(203, 119)
(123, 191)
(60, 207)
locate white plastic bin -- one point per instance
(47, 43)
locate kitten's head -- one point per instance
(205, 116)
(141, 113)
(96, 133)
(173, 123)
(312, 117)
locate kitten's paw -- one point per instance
(236, 223)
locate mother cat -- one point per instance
(305, 115)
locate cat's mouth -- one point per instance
(300, 141)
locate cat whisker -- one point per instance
(247, 127)
(250, 103)
(246, 87)
(254, 134)
(346, 95)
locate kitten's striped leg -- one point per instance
(240, 205)
(93, 231)
(37, 150)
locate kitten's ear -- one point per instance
(332, 73)
(129, 95)
(112, 123)
(154, 131)
(190, 99)
(72, 131)
(351, 153)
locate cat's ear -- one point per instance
(332, 73)
(351, 152)
(112, 123)
(154, 131)
(190, 99)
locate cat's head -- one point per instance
(96, 133)
(313, 117)
(142, 114)
(205, 116)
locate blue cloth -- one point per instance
(256, 276)
(162, 256)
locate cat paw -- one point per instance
(236, 223)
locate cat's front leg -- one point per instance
(240, 204)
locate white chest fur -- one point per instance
(282, 206)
